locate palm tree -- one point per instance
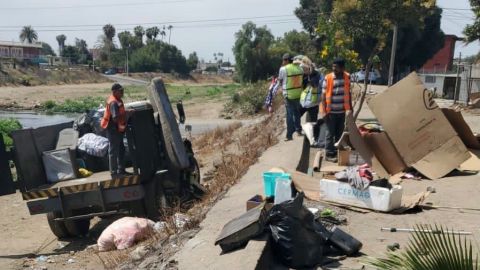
(152, 32)
(169, 32)
(28, 34)
(109, 32)
(139, 31)
(163, 33)
(61, 43)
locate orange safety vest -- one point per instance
(329, 79)
(121, 118)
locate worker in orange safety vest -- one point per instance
(336, 103)
(114, 121)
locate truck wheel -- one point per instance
(154, 200)
(195, 173)
(57, 227)
(196, 187)
(77, 227)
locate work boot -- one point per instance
(332, 159)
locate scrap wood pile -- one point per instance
(413, 138)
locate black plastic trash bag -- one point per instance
(297, 240)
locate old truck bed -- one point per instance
(102, 179)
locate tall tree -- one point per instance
(169, 33)
(138, 31)
(152, 33)
(192, 61)
(310, 10)
(61, 42)
(109, 32)
(163, 33)
(125, 39)
(472, 31)
(251, 52)
(374, 19)
(108, 35)
(47, 49)
(82, 48)
(28, 34)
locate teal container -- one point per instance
(269, 179)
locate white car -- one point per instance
(373, 76)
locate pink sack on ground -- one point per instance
(124, 233)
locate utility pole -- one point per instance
(127, 69)
(469, 84)
(457, 83)
(392, 55)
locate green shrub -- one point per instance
(73, 106)
(6, 126)
(48, 105)
(248, 100)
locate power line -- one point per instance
(99, 5)
(155, 23)
(176, 27)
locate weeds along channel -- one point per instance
(226, 155)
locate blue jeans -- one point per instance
(293, 116)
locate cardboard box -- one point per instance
(375, 198)
(349, 158)
(418, 128)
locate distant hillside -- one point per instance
(32, 76)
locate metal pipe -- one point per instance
(425, 231)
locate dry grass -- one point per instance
(239, 147)
(219, 137)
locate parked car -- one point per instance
(373, 76)
(111, 71)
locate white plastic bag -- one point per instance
(93, 144)
(283, 190)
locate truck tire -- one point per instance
(77, 227)
(171, 133)
(57, 227)
(154, 201)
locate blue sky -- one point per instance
(205, 26)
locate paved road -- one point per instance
(126, 80)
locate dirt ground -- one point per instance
(24, 97)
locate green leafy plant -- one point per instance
(73, 106)
(431, 247)
(6, 126)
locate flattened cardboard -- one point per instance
(308, 185)
(417, 127)
(461, 127)
(473, 163)
(385, 152)
(361, 147)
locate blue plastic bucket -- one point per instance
(269, 179)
